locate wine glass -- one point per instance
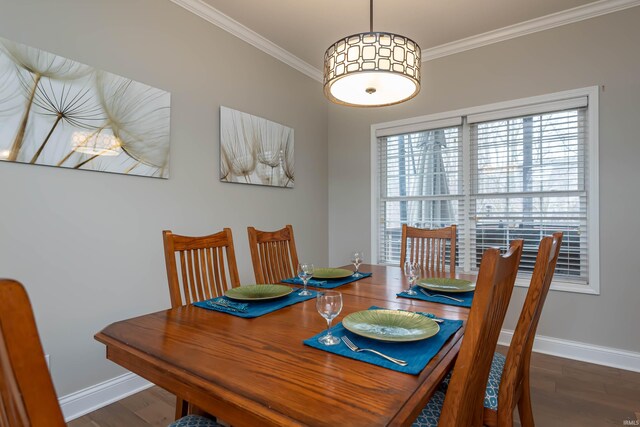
(356, 260)
(305, 272)
(412, 271)
(329, 305)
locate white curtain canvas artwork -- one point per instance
(58, 112)
(254, 150)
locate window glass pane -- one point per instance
(542, 155)
(535, 153)
(425, 163)
(498, 221)
(421, 184)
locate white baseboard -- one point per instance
(82, 402)
(87, 400)
(607, 356)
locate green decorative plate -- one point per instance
(258, 292)
(390, 325)
(331, 273)
(445, 284)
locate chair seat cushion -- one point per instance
(430, 414)
(194, 421)
(493, 383)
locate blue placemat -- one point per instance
(255, 308)
(416, 353)
(466, 297)
(327, 284)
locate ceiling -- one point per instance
(306, 28)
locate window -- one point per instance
(517, 170)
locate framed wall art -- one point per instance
(254, 150)
(58, 112)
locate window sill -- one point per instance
(556, 285)
(562, 286)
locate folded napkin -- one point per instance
(227, 304)
(327, 284)
(416, 353)
(253, 308)
(466, 297)
(311, 282)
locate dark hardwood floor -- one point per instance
(151, 407)
(571, 393)
(565, 393)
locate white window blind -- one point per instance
(528, 179)
(520, 169)
(420, 184)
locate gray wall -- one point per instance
(600, 51)
(88, 245)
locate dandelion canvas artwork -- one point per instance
(254, 150)
(59, 112)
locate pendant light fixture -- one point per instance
(372, 69)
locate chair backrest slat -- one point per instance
(223, 274)
(273, 254)
(198, 268)
(463, 405)
(27, 395)
(264, 265)
(211, 271)
(216, 271)
(283, 256)
(202, 266)
(278, 260)
(206, 285)
(429, 248)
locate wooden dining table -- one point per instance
(251, 372)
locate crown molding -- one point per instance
(230, 25)
(543, 23)
(569, 16)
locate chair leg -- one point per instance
(182, 408)
(504, 418)
(524, 404)
(490, 417)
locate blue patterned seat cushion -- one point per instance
(493, 384)
(194, 421)
(431, 413)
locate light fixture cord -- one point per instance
(371, 16)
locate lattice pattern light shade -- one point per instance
(372, 69)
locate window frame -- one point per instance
(535, 103)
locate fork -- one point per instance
(440, 295)
(357, 349)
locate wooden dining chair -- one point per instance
(462, 406)
(514, 384)
(27, 395)
(202, 266)
(508, 383)
(428, 247)
(202, 274)
(273, 254)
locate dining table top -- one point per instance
(258, 371)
